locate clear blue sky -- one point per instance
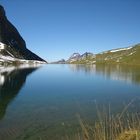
(54, 29)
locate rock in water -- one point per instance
(14, 44)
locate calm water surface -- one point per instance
(42, 103)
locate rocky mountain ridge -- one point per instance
(12, 46)
(128, 55)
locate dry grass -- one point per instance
(122, 126)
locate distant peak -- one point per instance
(75, 54)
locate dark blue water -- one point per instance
(42, 103)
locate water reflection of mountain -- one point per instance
(11, 81)
(129, 74)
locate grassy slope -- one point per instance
(87, 60)
(135, 58)
(130, 56)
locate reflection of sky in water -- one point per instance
(52, 95)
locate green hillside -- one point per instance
(130, 55)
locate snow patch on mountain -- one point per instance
(2, 46)
(122, 49)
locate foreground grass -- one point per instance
(123, 126)
(108, 126)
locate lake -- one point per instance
(42, 103)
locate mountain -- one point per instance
(12, 46)
(73, 57)
(80, 59)
(62, 61)
(77, 58)
(129, 55)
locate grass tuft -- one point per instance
(108, 126)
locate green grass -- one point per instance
(130, 56)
